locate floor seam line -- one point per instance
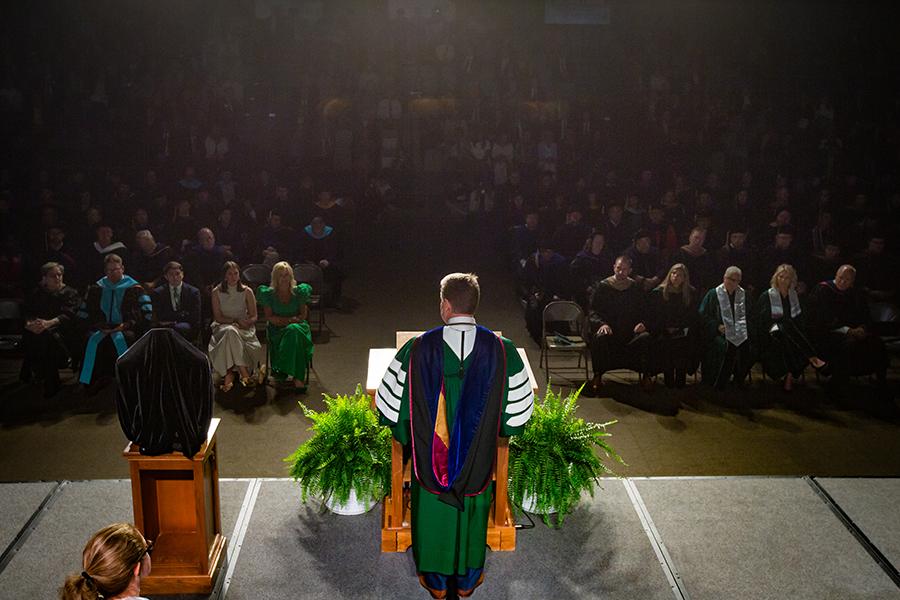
(30, 525)
(662, 553)
(854, 529)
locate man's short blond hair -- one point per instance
(462, 291)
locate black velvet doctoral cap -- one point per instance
(165, 394)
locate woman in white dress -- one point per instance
(233, 345)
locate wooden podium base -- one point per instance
(176, 504)
(398, 537)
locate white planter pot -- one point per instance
(529, 502)
(353, 506)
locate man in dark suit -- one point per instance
(177, 304)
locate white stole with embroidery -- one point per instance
(735, 321)
(778, 309)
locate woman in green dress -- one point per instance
(289, 337)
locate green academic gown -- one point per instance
(715, 345)
(446, 540)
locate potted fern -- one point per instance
(347, 461)
(555, 459)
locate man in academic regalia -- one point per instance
(448, 393)
(725, 312)
(842, 330)
(114, 309)
(619, 336)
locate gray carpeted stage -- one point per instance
(683, 537)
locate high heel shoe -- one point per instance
(226, 386)
(247, 382)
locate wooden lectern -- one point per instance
(396, 534)
(176, 504)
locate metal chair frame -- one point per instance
(564, 310)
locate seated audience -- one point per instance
(176, 304)
(781, 340)
(618, 335)
(662, 233)
(525, 239)
(104, 244)
(614, 227)
(276, 241)
(569, 238)
(877, 276)
(58, 251)
(204, 261)
(233, 345)
(320, 245)
(824, 266)
(592, 264)
(149, 260)
(842, 331)
(544, 279)
(725, 313)
(115, 310)
(50, 340)
(674, 325)
(113, 562)
(738, 253)
(183, 226)
(784, 251)
(289, 337)
(644, 260)
(698, 261)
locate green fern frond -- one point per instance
(348, 450)
(555, 459)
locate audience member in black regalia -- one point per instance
(104, 244)
(524, 239)
(544, 279)
(328, 207)
(877, 273)
(645, 263)
(51, 340)
(784, 251)
(569, 238)
(822, 233)
(591, 265)
(183, 227)
(203, 262)
(320, 245)
(149, 259)
(58, 251)
(232, 237)
(632, 214)
(699, 262)
(822, 267)
(781, 340)
(176, 304)
(618, 334)
(277, 242)
(618, 236)
(663, 236)
(674, 324)
(737, 252)
(842, 331)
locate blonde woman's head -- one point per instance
(784, 273)
(283, 275)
